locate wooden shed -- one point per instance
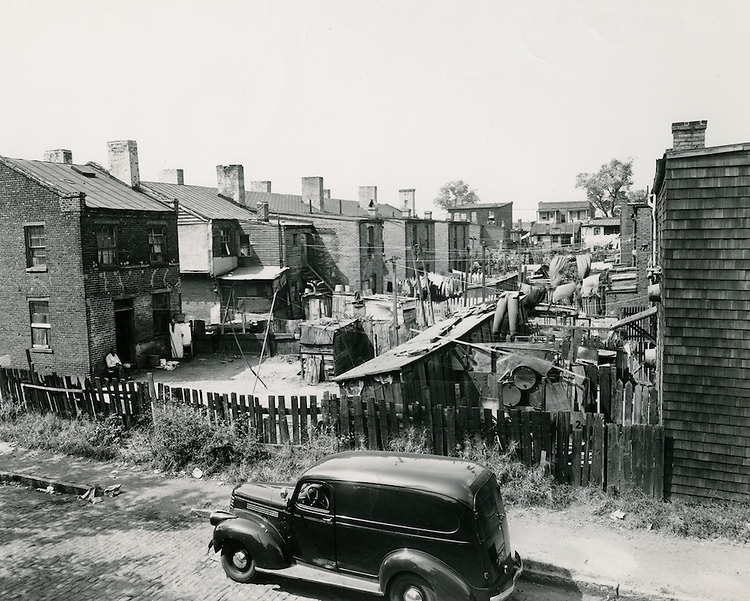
(430, 369)
(329, 347)
(703, 244)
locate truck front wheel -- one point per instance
(237, 562)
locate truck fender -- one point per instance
(447, 583)
(262, 540)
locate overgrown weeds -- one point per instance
(176, 439)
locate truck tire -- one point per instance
(410, 587)
(237, 562)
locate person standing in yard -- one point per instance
(115, 368)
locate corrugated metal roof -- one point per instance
(202, 201)
(433, 338)
(602, 222)
(292, 203)
(101, 189)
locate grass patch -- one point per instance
(81, 437)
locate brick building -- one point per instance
(90, 262)
(232, 258)
(344, 245)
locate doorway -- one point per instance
(124, 329)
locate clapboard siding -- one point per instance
(703, 234)
(727, 469)
(693, 197)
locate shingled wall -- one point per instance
(703, 221)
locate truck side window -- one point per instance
(315, 495)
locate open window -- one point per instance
(314, 495)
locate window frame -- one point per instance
(102, 251)
(40, 326)
(225, 242)
(161, 256)
(31, 256)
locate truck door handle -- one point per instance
(328, 519)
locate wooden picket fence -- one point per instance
(578, 448)
(73, 397)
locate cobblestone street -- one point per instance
(58, 547)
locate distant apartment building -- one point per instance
(565, 212)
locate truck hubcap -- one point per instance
(239, 559)
(413, 594)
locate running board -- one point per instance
(300, 571)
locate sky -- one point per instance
(513, 97)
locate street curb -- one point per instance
(70, 488)
(552, 575)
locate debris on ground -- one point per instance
(112, 491)
(197, 473)
(91, 496)
(617, 515)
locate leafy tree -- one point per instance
(454, 194)
(607, 188)
(639, 195)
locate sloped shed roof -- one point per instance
(323, 331)
(430, 340)
(202, 201)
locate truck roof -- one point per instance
(447, 476)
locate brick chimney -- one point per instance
(172, 176)
(312, 193)
(406, 201)
(260, 187)
(123, 161)
(688, 135)
(262, 211)
(231, 182)
(428, 214)
(368, 197)
(58, 156)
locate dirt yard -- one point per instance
(222, 373)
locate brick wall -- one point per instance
(371, 256)
(132, 284)
(80, 295)
(335, 252)
(264, 240)
(394, 245)
(24, 201)
(199, 300)
(442, 233)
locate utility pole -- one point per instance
(484, 269)
(392, 261)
